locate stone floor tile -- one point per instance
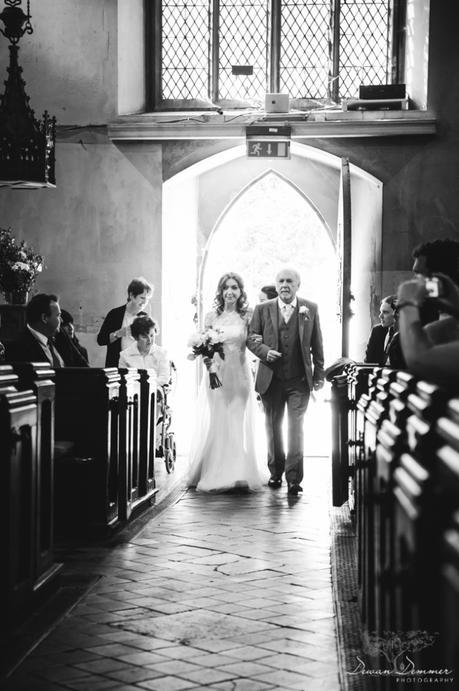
(133, 674)
(91, 683)
(143, 658)
(207, 676)
(173, 667)
(243, 685)
(246, 669)
(166, 684)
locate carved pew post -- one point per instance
(147, 448)
(129, 441)
(18, 421)
(357, 386)
(39, 377)
(340, 467)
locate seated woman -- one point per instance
(432, 351)
(68, 345)
(144, 353)
(115, 332)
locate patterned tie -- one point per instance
(286, 312)
(54, 355)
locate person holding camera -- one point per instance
(432, 351)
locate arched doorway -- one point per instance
(201, 201)
(270, 224)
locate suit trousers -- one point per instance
(293, 393)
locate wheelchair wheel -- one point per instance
(170, 453)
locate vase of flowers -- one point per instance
(19, 268)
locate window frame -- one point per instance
(153, 55)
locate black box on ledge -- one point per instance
(382, 91)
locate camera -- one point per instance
(434, 287)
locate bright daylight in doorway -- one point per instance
(271, 223)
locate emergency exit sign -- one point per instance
(259, 148)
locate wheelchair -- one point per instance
(165, 438)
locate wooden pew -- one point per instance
(147, 484)
(357, 378)
(88, 476)
(449, 595)
(447, 474)
(39, 377)
(18, 470)
(391, 443)
(416, 522)
(376, 412)
(129, 441)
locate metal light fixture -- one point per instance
(26, 144)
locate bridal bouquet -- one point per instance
(207, 343)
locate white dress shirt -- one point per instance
(287, 308)
(156, 359)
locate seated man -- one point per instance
(36, 343)
(432, 351)
(382, 333)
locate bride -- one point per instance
(223, 447)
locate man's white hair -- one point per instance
(291, 270)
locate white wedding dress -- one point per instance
(222, 455)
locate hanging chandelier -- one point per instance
(26, 144)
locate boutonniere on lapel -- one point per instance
(304, 312)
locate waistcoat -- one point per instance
(291, 363)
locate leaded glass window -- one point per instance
(238, 50)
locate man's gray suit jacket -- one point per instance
(265, 323)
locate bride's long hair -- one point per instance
(242, 304)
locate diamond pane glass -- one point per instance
(364, 45)
(304, 54)
(185, 49)
(243, 40)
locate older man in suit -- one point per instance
(285, 335)
(36, 343)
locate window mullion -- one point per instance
(215, 51)
(398, 40)
(333, 81)
(274, 71)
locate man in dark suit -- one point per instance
(285, 334)
(381, 334)
(36, 343)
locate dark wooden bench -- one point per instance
(18, 480)
(88, 475)
(39, 377)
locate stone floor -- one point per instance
(229, 592)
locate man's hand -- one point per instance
(318, 385)
(273, 355)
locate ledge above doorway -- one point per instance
(231, 124)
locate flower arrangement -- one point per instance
(304, 311)
(206, 344)
(19, 264)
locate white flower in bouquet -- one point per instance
(195, 340)
(214, 336)
(20, 266)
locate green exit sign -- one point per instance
(260, 148)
